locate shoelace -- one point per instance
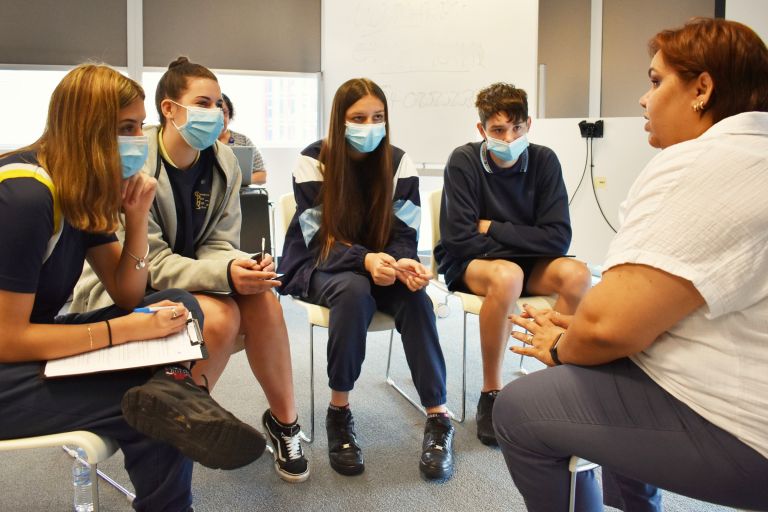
(293, 446)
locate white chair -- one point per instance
(319, 316)
(577, 465)
(470, 303)
(97, 449)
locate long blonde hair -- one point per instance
(79, 147)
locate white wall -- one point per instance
(753, 13)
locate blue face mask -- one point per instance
(365, 137)
(133, 153)
(203, 126)
(507, 151)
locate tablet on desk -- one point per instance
(244, 156)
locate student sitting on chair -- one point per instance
(194, 238)
(351, 246)
(660, 376)
(503, 225)
(233, 138)
(73, 183)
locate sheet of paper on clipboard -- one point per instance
(186, 345)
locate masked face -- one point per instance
(203, 126)
(365, 137)
(133, 153)
(508, 151)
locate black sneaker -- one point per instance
(485, 432)
(170, 407)
(437, 449)
(345, 454)
(290, 463)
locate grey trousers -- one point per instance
(616, 416)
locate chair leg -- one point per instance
(392, 383)
(461, 418)
(572, 494)
(311, 384)
(95, 486)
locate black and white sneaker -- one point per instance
(290, 463)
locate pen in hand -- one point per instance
(152, 309)
(398, 268)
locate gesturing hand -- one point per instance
(543, 326)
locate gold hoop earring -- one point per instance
(698, 106)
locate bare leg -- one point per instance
(268, 351)
(568, 278)
(222, 321)
(501, 283)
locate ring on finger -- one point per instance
(530, 338)
(174, 314)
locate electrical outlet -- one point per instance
(600, 182)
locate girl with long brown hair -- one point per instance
(60, 201)
(351, 246)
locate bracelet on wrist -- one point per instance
(140, 262)
(109, 330)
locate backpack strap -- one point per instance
(20, 170)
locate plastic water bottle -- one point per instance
(81, 480)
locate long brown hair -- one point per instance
(356, 196)
(733, 55)
(78, 148)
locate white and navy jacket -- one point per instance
(301, 248)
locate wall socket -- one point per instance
(591, 130)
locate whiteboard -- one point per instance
(430, 57)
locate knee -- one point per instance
(354, 290)
(575, 280)
(508, 409)
(506, 282)
(222, 324)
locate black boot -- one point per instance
(437, 449)
(343, 451)
(485, 432)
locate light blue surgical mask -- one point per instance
(507, 151)
(365, 137)
(133, 153)
(203, 126)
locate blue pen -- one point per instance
(152, 309)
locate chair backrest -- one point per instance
(286, 208)
(433, 200)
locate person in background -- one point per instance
(194, 237)
(503, 224)
(232, 138)
(660, 376)
(351, 246)
(73, 183)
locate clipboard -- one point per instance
(186, 345)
